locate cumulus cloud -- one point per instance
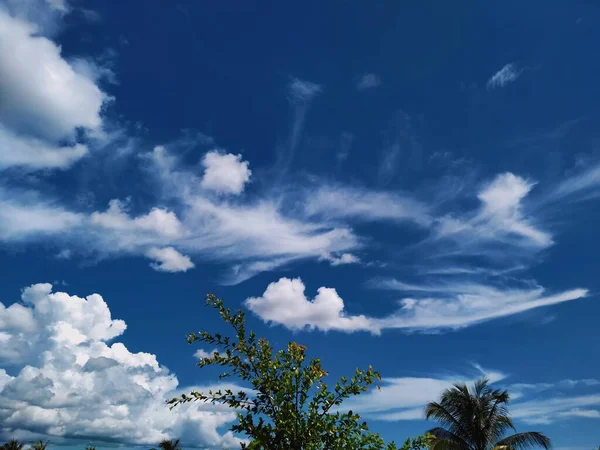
(158, 221)
(506, 75)
(201, 354)
(344, 258)
(225, 173)
(368, 81)
(169, 260)
(41, 93)
(75, 382)
(285, 303)
(43, 100)
(456, 306)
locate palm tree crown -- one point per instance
(169, 444)
(12, 445)
(39, 445)
(477, 419)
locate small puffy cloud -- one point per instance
(169, 260)
(158, 221)
(344, 258)
(285, 303)
(201, 354)
(368, 81)
(509, 73)
(72, 381)
(225, 173)
(303, 91)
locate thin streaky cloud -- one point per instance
(368, 81)
(506, 75)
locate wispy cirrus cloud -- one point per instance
(506, 75)
(368, 81)
(500, 218)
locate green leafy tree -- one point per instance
(169, 444)
(418, 443)
(39, 445)
(477, 419)
(90, 447)
(289, 405)
(13, 445)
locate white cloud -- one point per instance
(500, 217)
(303, 91)
(225, 173)
(25, 216)
(344, 202)
(584, 181)
(509, 73)
(557, 407)
(458, 305)
(368, 81)
(169, 260)
(43, 100)
(343, 259)
(201, 354)
(158, 221)
(41, 93)
(33, 153)
(60, 5)
(72, 383)
(404, 398)
(285, 303)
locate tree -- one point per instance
(39, 445)
(169, 444)
(477, 419)
(13, 445)
(289, 405)
(418, 443)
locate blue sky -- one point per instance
(412, 186)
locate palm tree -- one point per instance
(477, 419)
(13, 445)
(169, 444)
(39, 445)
